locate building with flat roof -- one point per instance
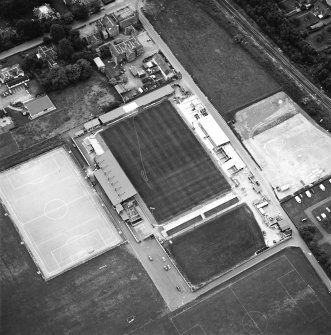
(126, 51)
(39, 106)
(126, 16)
(9, 73)
(112, 179)
(17, 81)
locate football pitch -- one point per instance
(164, 161)
(217, 246)
(57, 215)
(281, 296)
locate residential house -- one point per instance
(126, 16)
(125, 51)
(48, 54)
(107, 26)
(44, 12)
(163, 66)
(93, 38)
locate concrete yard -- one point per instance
(57, 215)
(288, 147)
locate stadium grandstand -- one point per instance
(112, 179)
(141, 102)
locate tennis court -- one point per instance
(58, 216)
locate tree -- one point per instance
(76, 41)
(86, 69)
(31, 63)
(57, 32)
(65, 49)
(73, 72)
(29, 29)
(58, 78)
(81, 12)
(68, 18)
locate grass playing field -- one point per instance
(165, 162)
(218, 245)
(220, 67)
(281, 296)
(94, 298)
(8, 146)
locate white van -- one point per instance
(308, 194)
(323, 216)
(298, 200)
(322, 187)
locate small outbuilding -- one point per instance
(100, 64)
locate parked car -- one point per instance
(308, 194)
(318, 218)
(322, 187)
(150, 258)
(297, 199)
(163, 258)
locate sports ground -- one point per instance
(164, 161)
(57, 215)
(281, 296)
(8, 146)
(218, 245)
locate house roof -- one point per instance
(127, 46)
(124, 13)
(161, 63)
(17, 81)
(38, 105)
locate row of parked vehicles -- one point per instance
(309, 193)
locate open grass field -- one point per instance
(326, 222)
(57, 214)
(218, 245)
(94, 298)
(8, 146)
(281, 296)
(220, 67)
(164, 161)
(75, 105)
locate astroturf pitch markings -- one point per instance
(186, 332)
(44, 215)
(43, 177)
(308, 286)
(242, 305)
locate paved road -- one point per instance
(76, 25)
(279, 57)
(296, 240)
